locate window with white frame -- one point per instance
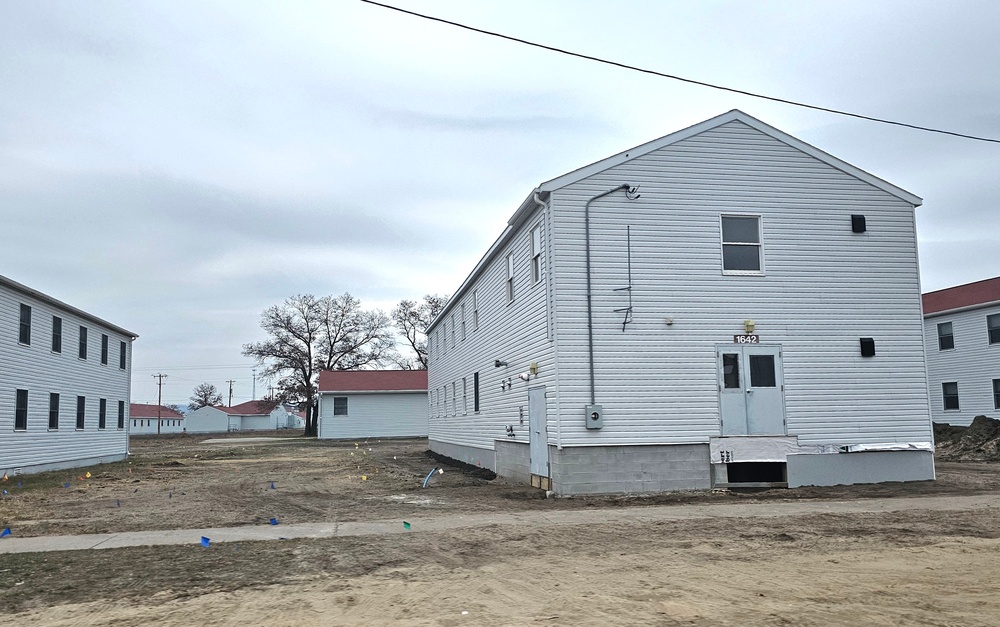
(475, 310)
(465, 398)
(536, 254)
(463, 321)
(996, 393)
(741, 245)
(946, 336)
(454, 399)
(453, 330)
(56, 334)
(993, 328)
(339, 405)
(949, 394)
(510, 278)
(81, 412)
(20, 410)
(53, 410)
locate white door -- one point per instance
(751, 397)
(538, 441)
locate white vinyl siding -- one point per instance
(45, 370)
(973, 364)
(375, 415)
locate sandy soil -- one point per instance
(916, 567)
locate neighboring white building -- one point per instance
(372, 404)
(962, 329)
(248, 416)
(723, 305)
(143, 418)
(64, 384)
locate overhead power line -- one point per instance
(692, 81)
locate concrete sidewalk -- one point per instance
(637, 514)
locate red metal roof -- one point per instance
(249, 408)
(372, 380)
(142, 410)
(968, 295)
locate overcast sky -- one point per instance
(176, 167)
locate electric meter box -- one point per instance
(595, 416)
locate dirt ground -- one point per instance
(914, 567)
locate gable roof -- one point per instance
(535, 198)
(373, 381)
(145, 410)
(249, 408)
(977, 294)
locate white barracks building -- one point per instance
(726, 305)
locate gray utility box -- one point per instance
(595, 416)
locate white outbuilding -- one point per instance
(962, 327)
(255, 415)
(726, 305)
(145, 418)
(372, 404)
(64, 384)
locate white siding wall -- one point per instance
(374, 415)
(516, 333)
(207, 420)
(824, 288)
(259, 422)
(973, 364)
(40, 371)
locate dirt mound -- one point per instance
(979, 442)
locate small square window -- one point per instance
(946, 336)
(949, 392)
(993, 328)
(339, 405)
(741, 245)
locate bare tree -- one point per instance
(412, 320)
(205, 394)
(309, 334)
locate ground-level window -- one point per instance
(121, 413)
(339, 405)
(993, 328)
(24, 329)
(102, 414)
(21, 410)
(741, 247)
(475, 392)
(946, 336)
(949, 393)
(53, 411)
(996, 393)
(81, 409)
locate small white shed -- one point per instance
(372, 404)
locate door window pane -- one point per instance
(731, 370)
(762, 371)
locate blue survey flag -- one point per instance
(5, 532)
(274, 521)
(205, 541)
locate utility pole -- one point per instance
(159, 399)
(230, 382)
(254, 371)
